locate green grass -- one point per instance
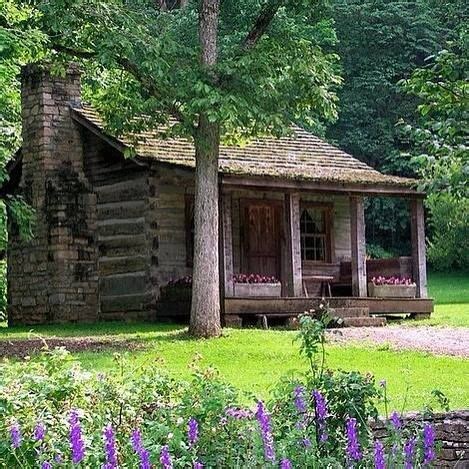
(253, 360)
(449, 288)
(451, 294)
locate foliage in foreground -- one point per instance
(56, 415)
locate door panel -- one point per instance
(261, 237)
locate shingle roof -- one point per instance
(300, 156)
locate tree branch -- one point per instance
(262, 22)
(130, 68)
(81, 54)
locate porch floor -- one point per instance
(418, 307)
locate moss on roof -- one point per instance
(300, 156)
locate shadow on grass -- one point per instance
(100, 338)
(133, 331)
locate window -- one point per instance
(189, 230)
(315, 233)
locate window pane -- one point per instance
(313, 234)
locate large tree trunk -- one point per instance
(205, 310)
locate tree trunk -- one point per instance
(205, 310)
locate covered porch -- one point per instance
(311, 237)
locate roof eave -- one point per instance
(371, 189)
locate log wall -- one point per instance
(122, 190)
(167, 225)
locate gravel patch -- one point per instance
(437, 340)
(25, 347)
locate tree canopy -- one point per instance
(440, 149)
(228, 70)
(275, 62)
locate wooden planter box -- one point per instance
(258, 289)
(392, 291)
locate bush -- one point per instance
(448, 247)
(375, 251)
(53, 412)
(3, 290)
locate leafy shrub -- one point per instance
(181, 282)
(3, 290)
(54, 414)
(375, 251)
(449, 241)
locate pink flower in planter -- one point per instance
(254, 278)
(392, 280)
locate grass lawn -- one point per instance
(254, 360)
(449, 288)
(451, 294)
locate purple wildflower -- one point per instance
(139, 449)
(263, 418)
(15, 435)
(320, 408)
(77, 444)
(285, 464)
(136, 441)
(409, 452)
(300, 403)
(39, 431)
(379, 455)
(382, 383)
(428, 443)
(110, 447)
(395, 420)
(144, 459)
(192, 431)
(353, 447)
(238, 413)
(198, 465)
(165, 458)
(307, 443)
(46, 465)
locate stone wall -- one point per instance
(53, 278)
(452, 433)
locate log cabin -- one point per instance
(112, 232)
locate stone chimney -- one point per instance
(53, 278)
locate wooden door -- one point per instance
(261, 237)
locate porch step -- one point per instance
(350, 312)
(371, 321)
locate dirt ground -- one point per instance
(26, 347)
(437, 340)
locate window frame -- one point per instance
(328, 209)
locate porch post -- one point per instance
(419, 267)
(357, 225)
(294, 271)
(227, 236)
